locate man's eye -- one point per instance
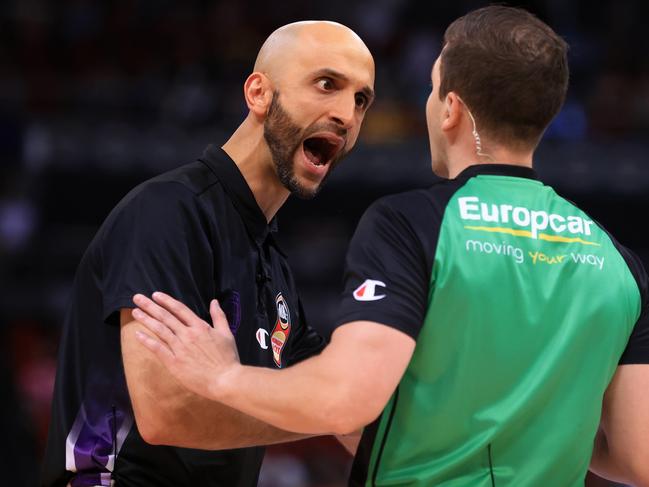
(325, 84)
(361, 100)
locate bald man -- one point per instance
(204, 231)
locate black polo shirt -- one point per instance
(196, 233)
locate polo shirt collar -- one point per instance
(498, 170)
(239, 192)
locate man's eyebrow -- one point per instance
(332, 73)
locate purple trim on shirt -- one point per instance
(231, 305)
(98, 434)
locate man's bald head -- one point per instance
(290, 42)
(312, 83)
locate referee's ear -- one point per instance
(453, 112)
(258, 93)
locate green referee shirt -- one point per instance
(522, 307)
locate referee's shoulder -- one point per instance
(417, 201)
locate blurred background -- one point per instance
(97, 96)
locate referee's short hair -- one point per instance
(510, 68)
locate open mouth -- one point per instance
(321, 150)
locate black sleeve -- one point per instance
(156, 240)
(386, 271)
(637, 349)
(307, 341)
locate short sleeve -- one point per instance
(637, 349)
(386, 276)
(156, 240)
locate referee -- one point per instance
(491, 333)
(204, 231)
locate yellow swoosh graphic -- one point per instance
(528, 234)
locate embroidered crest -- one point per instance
(281, 330)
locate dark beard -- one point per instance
(284, 139)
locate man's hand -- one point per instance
(195, 353)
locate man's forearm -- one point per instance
(310, 398)
(339, 391)
(209, 425)
(273, 397)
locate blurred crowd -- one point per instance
(96, 96)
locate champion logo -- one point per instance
(367, 291)
(261, 338)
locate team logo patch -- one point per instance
(367, 291)
(281, 330)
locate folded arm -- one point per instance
(167, 413)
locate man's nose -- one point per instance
(343, 112)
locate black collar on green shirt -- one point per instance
(239, 192)
(499, 170)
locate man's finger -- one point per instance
(219, 320)
(178, 309)
(165, 355)
(158, 312)
(161, 330)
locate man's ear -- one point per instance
(453, 112)
(258, 93)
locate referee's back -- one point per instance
(531, 305)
